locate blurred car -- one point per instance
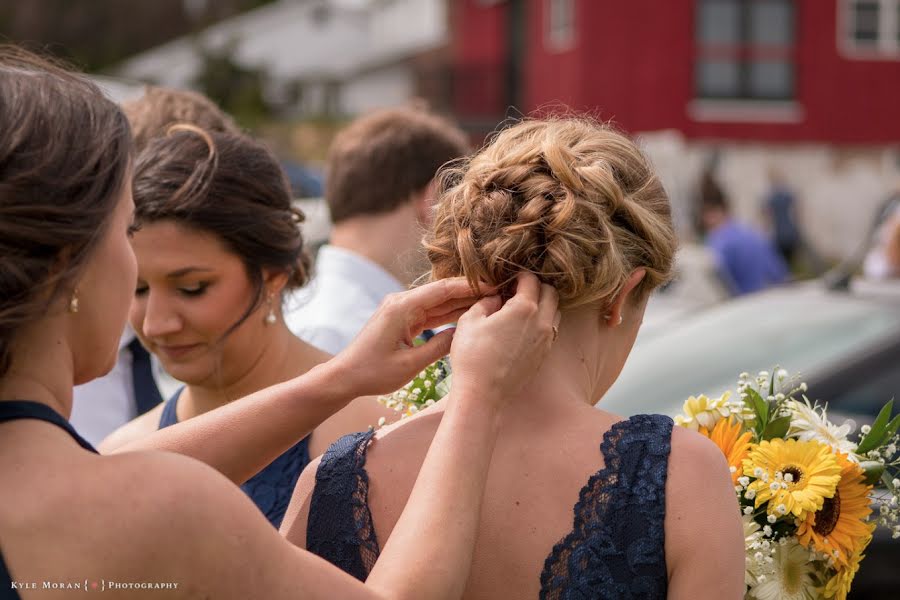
(845, 343)
(697, 285)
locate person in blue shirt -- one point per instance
(747, 261)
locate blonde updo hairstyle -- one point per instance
(568, 199)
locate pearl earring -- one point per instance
(73, 302)
(270, 317)
(619, 322)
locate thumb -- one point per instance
(434, 349)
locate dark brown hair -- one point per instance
(379, 160)
(159, 108)
(64, 155)
(228, 185)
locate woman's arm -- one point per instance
(223, 548)
(704, 535)
(241, 438)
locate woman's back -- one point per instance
(561, 512)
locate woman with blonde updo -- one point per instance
(654, 516)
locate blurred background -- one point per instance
(809, 87)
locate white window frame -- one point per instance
(559, 36)
(886, 47)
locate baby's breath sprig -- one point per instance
(423, 391)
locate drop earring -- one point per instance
(73, 302)
(270, 317)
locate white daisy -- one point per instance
(811, 423)
(789, 577)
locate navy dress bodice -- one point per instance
(616, 549)
(23, 409)
(270, 489)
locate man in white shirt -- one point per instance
(380, 190)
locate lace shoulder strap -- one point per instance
(339, 528)
(616, 548)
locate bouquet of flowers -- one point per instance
(803, 484)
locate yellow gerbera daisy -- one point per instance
(839, 586)
(734, 445)
(839, 527)
(793, 477)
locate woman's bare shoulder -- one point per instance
(135, 429)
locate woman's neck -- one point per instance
(579, 369)
(41, 369)
(283, 357)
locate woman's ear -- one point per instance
(616, 313)
(274, 281)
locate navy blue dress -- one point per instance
(270, 489)
(23, 409)
(616, 549)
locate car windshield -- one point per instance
(803, 329)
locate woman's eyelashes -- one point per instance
(194, 290)
(191, 291)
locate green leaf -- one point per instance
(873, 471)
(761, 408)
(772, 381)
(891, 428)
(777, 428)
(879, 428)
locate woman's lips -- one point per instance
(176, 352)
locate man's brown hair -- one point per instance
(379, 160)
(159, 108)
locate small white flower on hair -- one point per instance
(781, 374)
(763, 374)
(781, 509)
(758, 472)
(771, 518)
(775, 486)
(789, 477)
(744, 481)
(803, 387)
(732, 469)
(748, 510)
(750, 495)
(865, 429)
(767, 531)
(896, 482)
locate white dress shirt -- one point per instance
(347, 288)
(101, 406)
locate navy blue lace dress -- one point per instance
(270, 489)
(616, 549)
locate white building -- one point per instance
(347, 56)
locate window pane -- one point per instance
(865, 21)
(718, 79)
(772, 22)
(771, 79)
(719, 22)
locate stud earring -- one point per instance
(619, 322)
(270, 317)
(73, 302)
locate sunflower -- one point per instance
(793, 477)
(734, 445)
(839, 586)
(838, 528)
